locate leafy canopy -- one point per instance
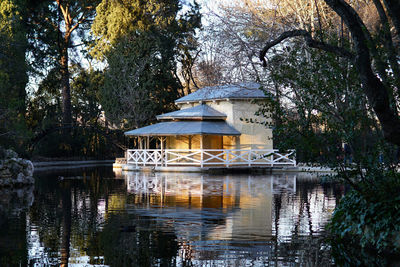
(118, 18)
(13, 72)
(142, 42)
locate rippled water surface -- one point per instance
(93, 216)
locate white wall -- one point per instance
(254, 135)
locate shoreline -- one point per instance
(68, 164)
(63, 164)
(297, 169)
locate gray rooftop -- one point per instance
(185, 128)
(199, 112)
(232, 91)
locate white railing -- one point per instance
(211, 157)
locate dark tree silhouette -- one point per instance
(382, 93)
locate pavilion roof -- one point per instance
(199, 112)
(173, 128)
(222, 92)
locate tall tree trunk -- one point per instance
(66, 91)
(64, 60)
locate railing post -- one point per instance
(249, 157)
(136, 159)
(201, 157)
(294, 156)
(144, 157)
(272, 158)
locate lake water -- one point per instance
(96, 217)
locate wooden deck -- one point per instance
(211, 158)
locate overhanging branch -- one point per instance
(309, 41)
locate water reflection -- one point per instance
(229, 207)
(236, 219)
(14, 204)
(95, 217)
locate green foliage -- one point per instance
(142, 41)
(81, 143)
(46, 33)
(318, 104)
(365, 226)
(85, 96)
(13, 73)
(89, 137)
(140, 81)
(117, 19)
(45, 105)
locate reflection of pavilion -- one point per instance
(226, 208)
(193, 183)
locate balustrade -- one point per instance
(211, 157)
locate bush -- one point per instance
(365, 227)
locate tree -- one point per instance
(13, 70)
(143, 42)
(378, 70)
(45, 107)
(116, 19)
(372, 52)
(238, 30)
(319, 105)
(228, 47)
(85, 95)
(54, 25)
(89, 136)
(139, 82)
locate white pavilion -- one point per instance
(215, 127)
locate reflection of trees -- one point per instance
(305, 242)
(14, 203)
(309, 208)
(65, 213)
(66, 222)
(299, 242)
(128, 240)
(186, 221)
(13, 246)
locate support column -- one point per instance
(190, 142)
(201, 151)
(162, 150)
(226, 152)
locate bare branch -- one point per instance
(63, 10)
(76, 45)
(79, 22)
(310, 42)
